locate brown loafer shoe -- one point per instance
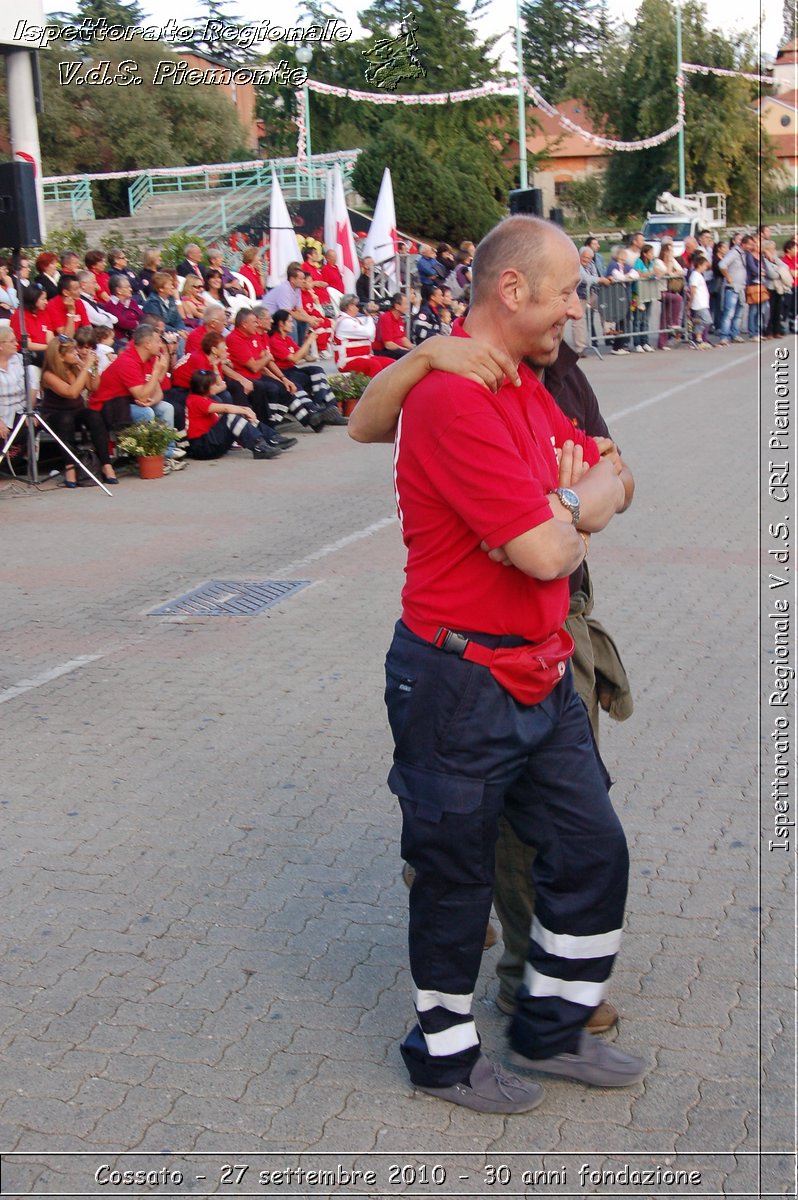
(601, 1020)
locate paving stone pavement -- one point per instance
(204, 924)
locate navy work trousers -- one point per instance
(466, 752)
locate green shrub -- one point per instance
(350, 386)
(70, 237)
(173, 250)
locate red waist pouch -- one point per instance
(528, 672)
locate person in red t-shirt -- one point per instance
(273, 396)
(65, 313)
(213, 358)
(37, 328)
(215, 424)
(392, 340)
(253, 270)
(130, 388)
(95, 262)
(311, 261)
(330, 272)
(498, 494)
(312, 306)
(290, 358)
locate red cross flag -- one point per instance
(338, 230)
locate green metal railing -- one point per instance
(229, 193)
(299, 181)
(78, 195)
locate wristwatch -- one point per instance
(569, 498)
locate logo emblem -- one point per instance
(393, 59)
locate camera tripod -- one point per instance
(29, 419)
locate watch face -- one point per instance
(569, 497)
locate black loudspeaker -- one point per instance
(526, 200)
(19, 212)
(556, 217)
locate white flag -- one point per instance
(283, 246)
(382, 239)
(338, 231)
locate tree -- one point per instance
(557, 34)
(790, 20)
(630, 91)
(95, 129)
(227, 49)
(452, 153)
(433, 198)
(126, 13)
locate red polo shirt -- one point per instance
(194, 339)
(390, 328)
(188, 364)
(56, 314)
(320, 283)
(37, 327)
(200, 420)
(332, 277)
(472, 466)
(281, 347)
(125, 372)
(241, 349)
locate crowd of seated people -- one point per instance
(128, 344)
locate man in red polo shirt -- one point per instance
(130, 388)
(251, 356)
(330, 272)
(311, 262)
(392, 340)
(66, 312)
(480, 694)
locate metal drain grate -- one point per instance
(230, 598)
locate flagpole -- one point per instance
(519, 56)
(680, 98)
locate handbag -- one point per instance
(756, 293)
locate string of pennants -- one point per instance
(504, 89)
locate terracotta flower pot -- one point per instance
(348, 407)
(151, 467)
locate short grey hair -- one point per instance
(211, 311)
(521, 242)
(142, 332)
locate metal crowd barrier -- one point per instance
(624, 314)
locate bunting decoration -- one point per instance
(595, 139)
(694, 69)
(495, 89)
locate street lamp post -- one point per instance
(304, 55)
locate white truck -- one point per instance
(680, 217)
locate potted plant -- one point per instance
(348, 389)
(147, 441)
